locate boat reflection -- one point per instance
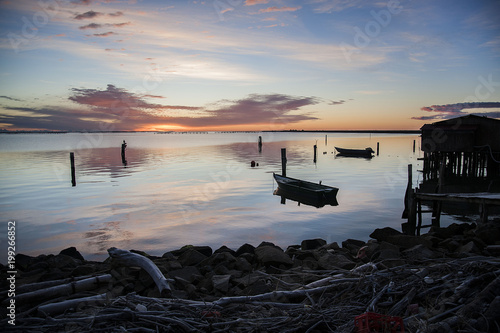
(305, 199)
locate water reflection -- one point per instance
(173, 192)
(103, 236)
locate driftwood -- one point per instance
(46, 284)
(55, 308)
(430, 295)
(132, 259)
(65, 289)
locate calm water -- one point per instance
(199, 189)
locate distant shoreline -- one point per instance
(201, 132)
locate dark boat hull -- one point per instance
(305, 199)
(306, 190)
(355, 152)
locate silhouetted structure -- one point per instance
(124, 159)
(468, 146)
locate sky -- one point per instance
(111, 65)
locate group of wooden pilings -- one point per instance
(413, 203)
(413, 208)
(461, 164)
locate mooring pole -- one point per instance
(283, 162)
(378, 145)
(260, 144)
(315, 153)
(326, 139)
(73, 174)
(413, 145)
(411, 203)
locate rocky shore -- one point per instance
(447, 280)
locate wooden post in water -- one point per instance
(283, 162)
(73, 174)
(315, 153)
(260, 144)
(413, 145)
(411, 203)
(437, 206)
(326, 139)
(378, 144)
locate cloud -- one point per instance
(98, 26)
(82, 2)
(279, 9)
(105, 34)
(329, 6)
(91, 14)
(116, 14)
(448, 111)
(337, 102)
(91, 26)
(11, 98)
(116, 108)
(255, 2)
(88, 15)
(112, 98)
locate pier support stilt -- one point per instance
(283, 162)
(73, 172)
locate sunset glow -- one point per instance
(246, 65)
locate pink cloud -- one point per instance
(279, 9)
(88, 15)
(255, 2)
(129, 111)
(447, 111)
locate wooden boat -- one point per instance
(304, 199)
(367, 152)
(307, 190)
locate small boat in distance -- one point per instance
(307, 190)
(367, 152)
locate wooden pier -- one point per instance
(415, 220)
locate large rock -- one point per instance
(189, 273)
(489, 233)
(272, 255)
(312, 244)
(384, 233)
(224, 248)
(23, 261)
(245, 248)
(332, 261)
(72, 252)
(419, 253)
(224, 258)
(407, 241)
(221, 282)
(470, 247)
(353, 245)
(191, 257)
(205, 250)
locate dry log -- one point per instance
(403, 303)
(65, 289)
(371, 306)
(46, 284)
(278, 294)
(132, 259)
(56, 308)
(328, 280)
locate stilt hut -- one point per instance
(467, 146)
